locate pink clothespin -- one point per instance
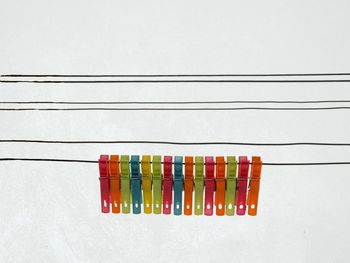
(104, 183)
(209, 186)
(242, 184)
(167, 184)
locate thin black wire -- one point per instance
(176, 75)
(181, 102)
(92, 161)
(171, 142)
(47, 160)
(183, 109)
(180, 81)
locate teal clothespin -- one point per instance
(178, 185)
(136, 184)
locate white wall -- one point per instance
(50, 211)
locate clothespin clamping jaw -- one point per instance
(220, 186)
(157, 184)
(254, 185)
(167, 185)
(146, 183)
(198, 186)
(242, 184)
(136, 184)
(114, 176)
(125, 184)
(104, 183)
(178, 185)
(209, 186)
(188, 185)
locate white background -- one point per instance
(49, 212)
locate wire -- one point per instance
(181, 81)
(183, 109)
(307, 164)
(175, 75)
(181, 102)
(172, 142)
(179, 109)
(47, 160)
(181, 78)
(92, 161)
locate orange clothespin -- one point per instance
(114, 177)
(188, 185)
(220, 186)
(254, 186)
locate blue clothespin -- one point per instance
(136, 184)
(178, 185)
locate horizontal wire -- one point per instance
(93, 161)
(181, 102)
(47, 160)
(182, 81)
(171, 142)
(183, 109)
(176, 75)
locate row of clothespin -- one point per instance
(161, 189)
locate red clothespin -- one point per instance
(104, 183)
(167, 184)
(242, 185)
(209, 186)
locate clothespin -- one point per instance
(198, 186)
(242, 185)
(125, 183)
(254, 186)
(167, 184)
(114, 176)
(157, 184)
(146, 183)
(188, 185)
(104, 183)
(220, 186)
(136, 184)
(178, 185)
(230, 197)
(209, 186)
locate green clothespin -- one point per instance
(157, 184)
(198, 185)
(125, 184)
(230, 197)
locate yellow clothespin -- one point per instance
(146, 183)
